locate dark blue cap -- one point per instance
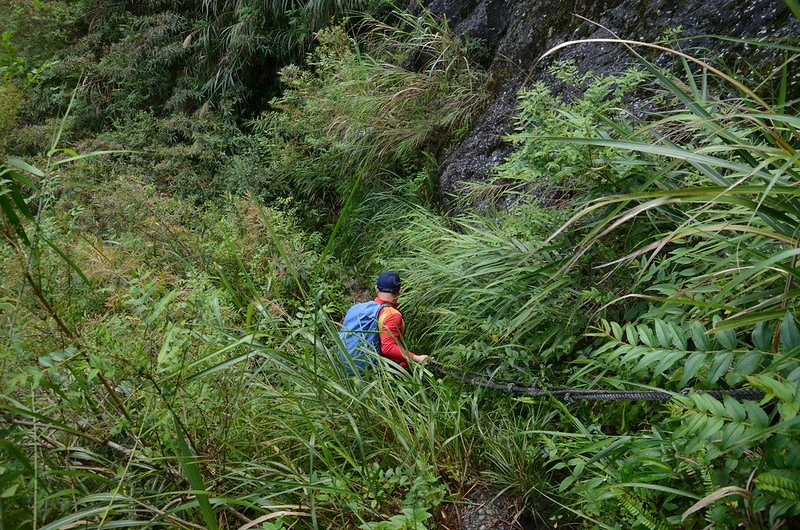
(388, 282)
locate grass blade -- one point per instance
(189, 466)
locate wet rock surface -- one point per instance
(517, 32)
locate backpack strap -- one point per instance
(378, 314)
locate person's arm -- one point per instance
(391, 335)
(392, 332)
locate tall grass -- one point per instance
(733, 175)
(715, 187)
(295, 440)
(176, 365)
(688, 251)
(240, 37)
(367, 111)
(207, 392)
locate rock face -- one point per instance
(517, 32)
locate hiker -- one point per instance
(377, 326)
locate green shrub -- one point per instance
(243, 43)
(364, 113)
(542, 164)
(9, 109)
(713, 261)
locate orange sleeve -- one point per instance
(390, 326)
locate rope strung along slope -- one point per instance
(570, 395)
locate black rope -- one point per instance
(570, 395)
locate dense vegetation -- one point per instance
(193, 193)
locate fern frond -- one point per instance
(709, 479)
(637, 510)
(782, 482)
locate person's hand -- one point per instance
(420, 358)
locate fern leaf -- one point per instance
(637, 510)
(782, 482)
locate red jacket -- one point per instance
(390, 326)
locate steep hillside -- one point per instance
(517, 32)
(194, 192)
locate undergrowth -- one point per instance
(173, 280)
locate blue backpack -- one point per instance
(359, 334)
